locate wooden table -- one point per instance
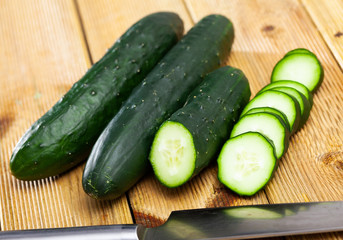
(47, 45)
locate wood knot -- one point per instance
(268, 28)
(334, 159)
(338, 34)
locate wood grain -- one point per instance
(43, 53)
(106, 20)
(45, 46)
(328, 18)
(312, 168)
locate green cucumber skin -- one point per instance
(120, 156)
(62, 137)
(211, 111)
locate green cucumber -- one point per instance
(300, 50)
(270, 110)
(246, 163)
(63, 137)
(120, 156)
(189, 139)
(299, 67)
(268, 124)
(305, 106)
(296, 85)
(282, 102)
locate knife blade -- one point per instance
(242, 222)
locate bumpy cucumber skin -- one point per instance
(62, 137)
(211, 111)
(120, 156)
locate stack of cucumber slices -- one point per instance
(261, 136)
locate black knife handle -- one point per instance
(113, 232)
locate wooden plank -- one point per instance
(43, 53)
(328, 18)
(265, 30)
(106, 20)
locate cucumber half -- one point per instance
(268, 124)
(173, 154)
(246, 163)
(282, 102)
(299, 67)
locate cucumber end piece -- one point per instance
(173, 154)
(246, 163)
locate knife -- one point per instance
(243, 222)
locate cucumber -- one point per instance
(296, 85)
(63, 136)
(304, 104)
(190, 138)
(120, 156)
(268, 124)
(270, 110)
(300, 50)
(246, 163)
(299, 67)
(282, 102)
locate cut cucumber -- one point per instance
(304, 104)
(120, 156)
(268, 124)
(207, 117)
(299, 67)
(173, 158)
(296, 85)
(300, 50)
(246, 163)
(270, 110)
(282, 102)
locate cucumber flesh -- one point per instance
(296, 85)
(173, 155)
(268, 124)
(246, 163)
(304, 104)
(273, 111)
(299, 67)
(281, 101)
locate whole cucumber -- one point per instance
(120, 156)
(63, 137)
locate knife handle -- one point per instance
(107, 232)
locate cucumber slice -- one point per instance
(246, 163)
(271, 110)
(296, 85)
(299, 67)
(281, 101)
(304, 104)
(268, 124)
(173, 155)
(300, 50)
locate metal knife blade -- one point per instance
(241, 222)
